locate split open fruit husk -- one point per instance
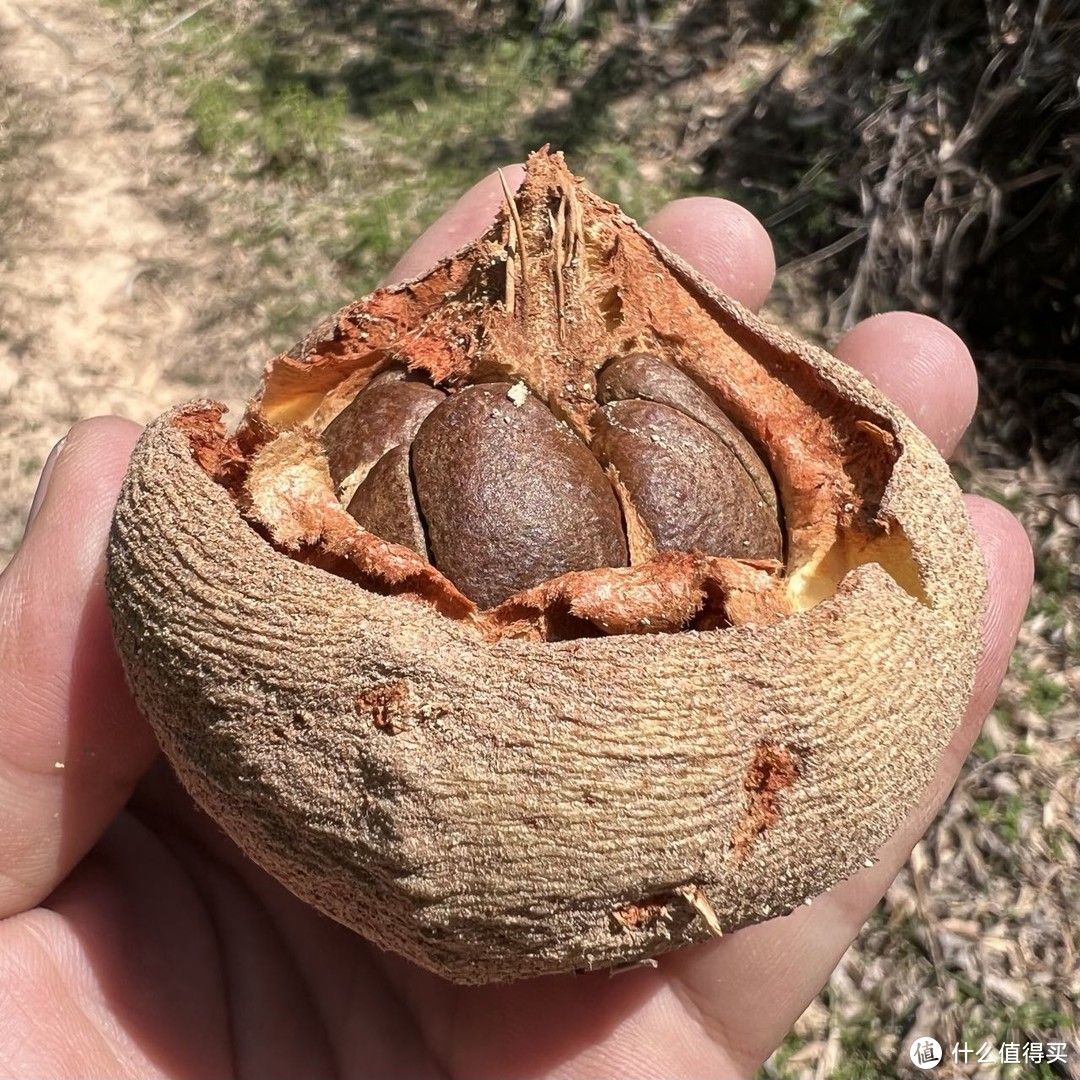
(608, 766)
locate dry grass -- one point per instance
(930, 160)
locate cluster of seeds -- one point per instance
(499, 495)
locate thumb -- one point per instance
(72, 743)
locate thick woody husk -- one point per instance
(545, 787)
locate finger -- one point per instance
(724, 242)
(755, 984)
(72, 743)
(922, 366)
(464, 221)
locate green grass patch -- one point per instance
(984, 749)
(1044, 694)
(1054, 576)
(1050, 605)
(835, 23)
(1002, 815)
(778, 1063)
(861, 1051)
(254, 105)
(375, 121)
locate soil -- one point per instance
(102, 283)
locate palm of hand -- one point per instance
(137, 939)
(166, 951)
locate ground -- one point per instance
(100, 286)
(176, 205)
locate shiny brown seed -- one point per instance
(509, 497)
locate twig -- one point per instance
(1036, 33)
(52, 35)
(519, 231)
(919, 873)
(886, 193)
(977, 122)
(179, 20)
(826, 252)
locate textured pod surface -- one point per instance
(549, 784)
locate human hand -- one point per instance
(136, 940)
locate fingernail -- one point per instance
(43, 484)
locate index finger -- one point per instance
(72, 742)
(464, 221)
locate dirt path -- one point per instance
(95, 279)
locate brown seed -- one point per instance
(386, 505)
(509, 497)
(385, 414)
(643, 375)
(686, 485)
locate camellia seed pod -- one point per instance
(549, 611)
